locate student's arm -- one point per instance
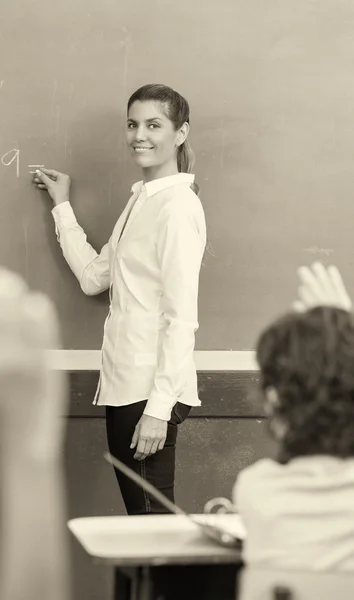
(90, 268)
(33, 404)
(321, 286)
(180, 250)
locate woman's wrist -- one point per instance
(60, 200)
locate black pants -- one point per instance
(158, 469)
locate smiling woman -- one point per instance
(153, 140)
(151, 266)
(163, 129)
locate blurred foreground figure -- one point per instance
(33, 553)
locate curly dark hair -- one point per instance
(309, 359)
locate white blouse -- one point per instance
(152, 270)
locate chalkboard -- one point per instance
(271, 89)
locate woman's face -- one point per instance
(151, 136)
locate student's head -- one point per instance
(157, 131)
(306, 362)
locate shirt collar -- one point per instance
(157, 185)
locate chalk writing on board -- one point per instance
(35, 167)
(12, 156)
(317, 250)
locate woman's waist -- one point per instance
(143, 310)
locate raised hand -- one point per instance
(321, 286)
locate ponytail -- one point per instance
(185, 162)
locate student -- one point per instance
(151, 265)
(299, 509)
(33, 550)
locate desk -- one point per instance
(153, 556)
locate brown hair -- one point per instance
(308, 359)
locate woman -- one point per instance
(151, 265)
(298, 510)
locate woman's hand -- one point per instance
(56, 184)
(149, 436)
(321, 286)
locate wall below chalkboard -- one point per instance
(224, 394)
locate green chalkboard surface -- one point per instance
(271, 89)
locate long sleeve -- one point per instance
(90, 268)
(180, 251)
